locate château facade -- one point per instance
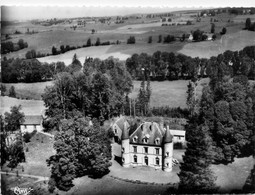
(149, 145)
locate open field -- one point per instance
(169, 93)
(29, 107)
(234, 42)
(164, 93)
(28, 90)
(62, 34)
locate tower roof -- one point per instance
(125, 131)
(168, 137)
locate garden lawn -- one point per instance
(40, 148)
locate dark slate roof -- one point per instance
(168, 138)
(32, 120)
(151, 130)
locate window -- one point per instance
(146, 160)
(167, 164)
(157, 150)
(122, 150)
(123, 160)
(146, 150)
(135, 159)
(135, 149)
(115, 130)
(25, 126)
(157, 141)
(167, 153)
(157, 161)
(135, 139)
(145, 140)
(34, 127)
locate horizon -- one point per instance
(30, 10)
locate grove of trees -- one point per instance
(9, 46)
(98, 92)
(169, 66)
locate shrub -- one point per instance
(131, 40)
(27, 137)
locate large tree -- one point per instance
(196, 175)
(13, 119)
(81, 149)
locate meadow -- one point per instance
(62, 34)
(29, 107)
(164, 93)
(233, 42)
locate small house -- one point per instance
(31, 123)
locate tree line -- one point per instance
(65, 48)
(9, 46)
(169, 66)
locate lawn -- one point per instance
(233, 41)
(40, 148)
(233, 176)
(29, 107)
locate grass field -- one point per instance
(29, 107)
(171, 93)
(61, 34)
(40, 148)
(234, 42)
(28, 90)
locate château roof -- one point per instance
(148, 133)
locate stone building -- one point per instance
(148, 145)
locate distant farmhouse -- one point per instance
(31, 123)
(148, 145)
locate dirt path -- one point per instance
(39, 178)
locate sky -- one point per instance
(29, 9)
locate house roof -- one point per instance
(149, 130)
(32, 120)
(177, 132)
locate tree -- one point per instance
(54, 50)
(131, 40)
(75, 66)
(3, 89)
(62, 49)
(97, 42)
(212, 28)
(4, 151)
(81, 149)
(16, 152)
(89, 42)
(13, 119)
(159, 38)
(191, 97)
(12, 92)
(248, 24)
(223, 31)
(150, 39)
(196, 175)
